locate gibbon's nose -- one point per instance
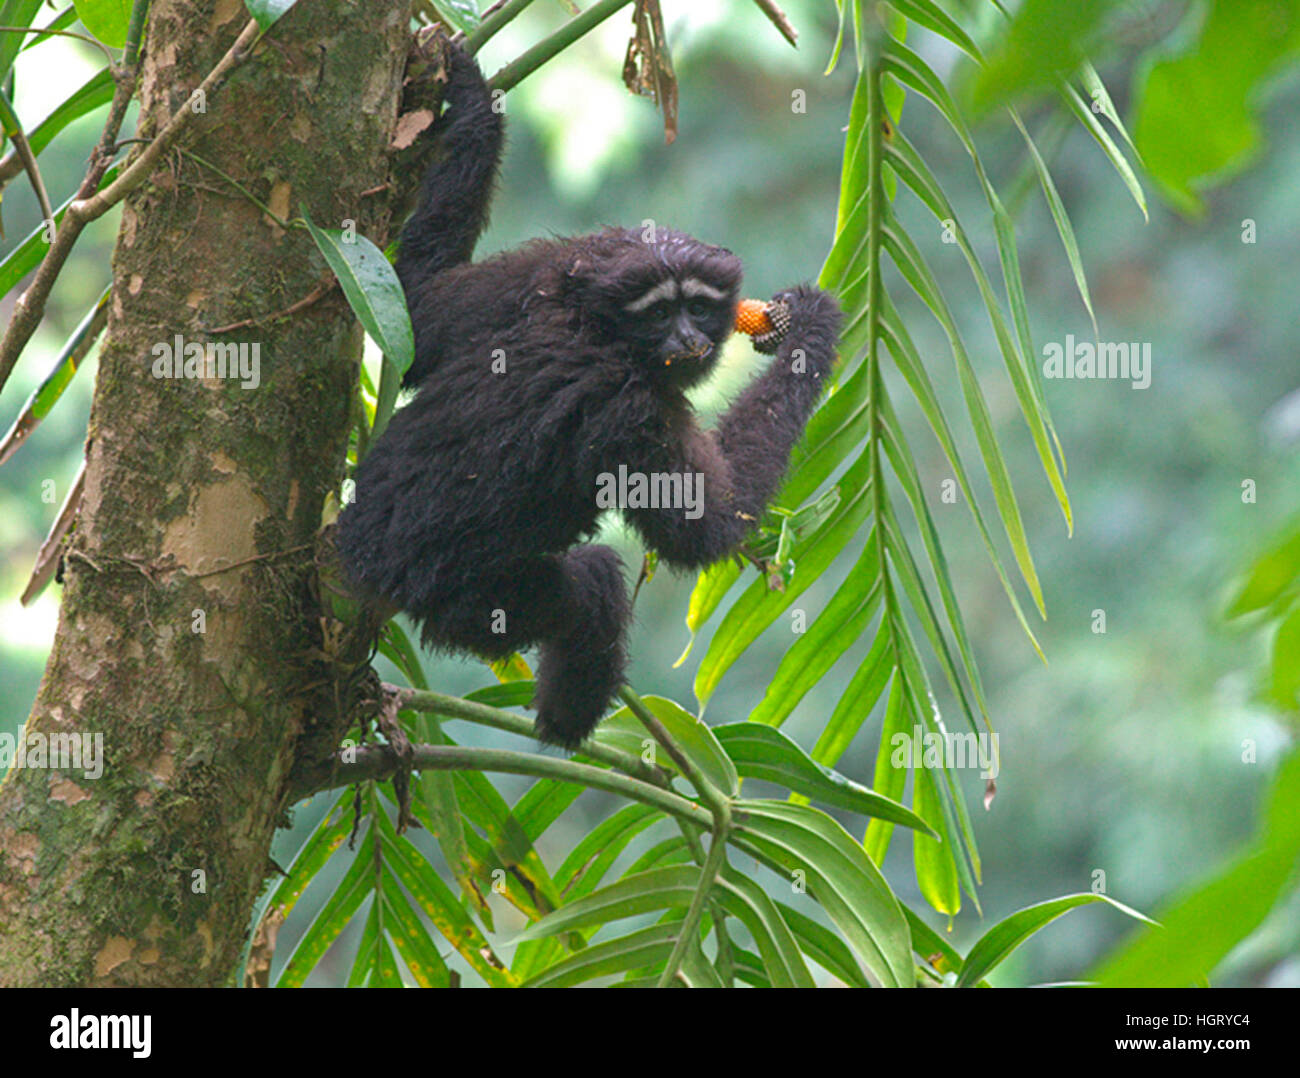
(686, 343)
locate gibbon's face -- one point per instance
(672, 300)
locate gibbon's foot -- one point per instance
(581, 671)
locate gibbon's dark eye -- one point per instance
(699, 308)
(658, 312)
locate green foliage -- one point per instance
(844, 481)
(1196, 120)
(1199, 929)
(674, 859)
(106, 19)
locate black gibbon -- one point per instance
(541, 371)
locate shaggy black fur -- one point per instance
(534, 379)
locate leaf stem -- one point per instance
(717, 801)
(494, 20)
(527, 62)
(691, 925)
(379, 762)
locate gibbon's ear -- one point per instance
(588, 287)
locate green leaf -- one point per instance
(797, 839)
(643, 892)
(710, 589)
(1046, 41)
(318, 847)
(1284, 681)
(909, 363)
(592, 857)
(375, 295)
(332, 917)
(407, 931)
(463, 15)
(438, 793)
(992, 948)
(367, 958)
(824, 947)
(671, 851)
(936, 871)
(758, 606)
(92, 94)
(1202, 926)
(1273, 581)
(913, 170)
(744, 899)
(934, 18)
(1197, 114)
(26, 255)
(435, 898)
(857, 702)
(637, 949)
(14, 13)
(889, 780)
(932, 947)
(841, 622)
(268, 12)
(760, 752)
(107, 20)
(910, 263)
(544, 802)
(65, 366)
(624, 731)
(900, 457)
(1085, 116)
(697, 972)
(1062, 219)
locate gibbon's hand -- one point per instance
(814, 328)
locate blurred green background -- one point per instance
(1124, 754)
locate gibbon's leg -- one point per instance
(574, 605)
(743, 460)
(582, 666)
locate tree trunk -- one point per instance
(190, 635)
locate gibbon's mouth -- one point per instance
(689, 357)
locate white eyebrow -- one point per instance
(666, 289)
(693, 287)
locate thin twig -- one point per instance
(29, 160)
(780, 20)
(62, 33)
(314, 296)
(529, 61)
(47, 558)
(286, 225)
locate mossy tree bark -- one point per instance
(190, 635)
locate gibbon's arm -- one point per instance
(744, 459)
(457, 188)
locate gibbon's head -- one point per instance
(664, 295)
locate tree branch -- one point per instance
(377, 762)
